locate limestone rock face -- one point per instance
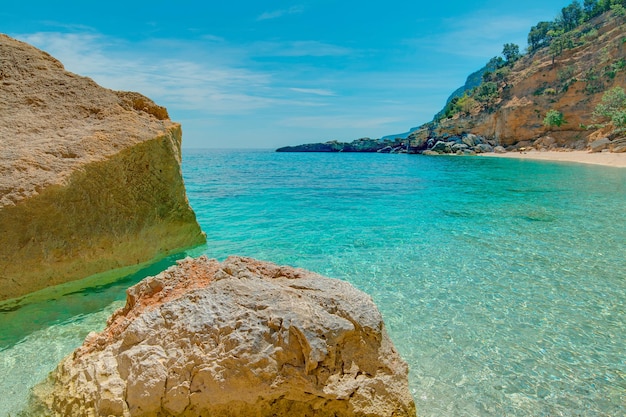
(572, 82)
(238, 338)
(90, 178)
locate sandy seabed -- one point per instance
(617, 160)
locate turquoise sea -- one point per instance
(502, 282)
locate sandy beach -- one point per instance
(617, 160)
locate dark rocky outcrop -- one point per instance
(360, 145)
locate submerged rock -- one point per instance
(90, 178)
(240, 338)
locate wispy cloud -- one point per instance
(53, 25)
(175, 81)
(480, 34)
(213, 38)
(347, 121)
(224, 90)
(298, 49)
(79, 52)
(275, 14)
(314, 91)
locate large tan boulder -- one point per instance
(238, 338)
(90, 178)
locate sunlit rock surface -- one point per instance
(238, 338)
(90, 178)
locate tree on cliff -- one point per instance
(613, 107)
(554, 118)
(510, 52)
(560, 42)
(591, 9)
(570, 16)
(539, 36)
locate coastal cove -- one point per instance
(473, 265)
(502, 282)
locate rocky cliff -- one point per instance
(90, 179)
(238, 338)
(504, 105)
(569, 78)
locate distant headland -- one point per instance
(565, 93)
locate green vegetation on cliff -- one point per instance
(554, 118)
(569, 65)
(567, 31)
(571, 18)
(613, 107)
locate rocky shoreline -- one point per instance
(366, 145)
(470, 144)
(505, 106)
(464, 144)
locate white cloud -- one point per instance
(479, 35)
(79, 52)
(210, 77)
(213, 38)
(280, 13)
(314, 91)
(298, 49)
(174, 82)
(338, 122)
(222, 92)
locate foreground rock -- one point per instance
(240, 338)
(90, 178)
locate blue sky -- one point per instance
(260, 74)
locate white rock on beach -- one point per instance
(238, 338)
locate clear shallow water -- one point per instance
(502, 282)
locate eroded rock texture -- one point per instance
(90, 178)
(240, 338)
